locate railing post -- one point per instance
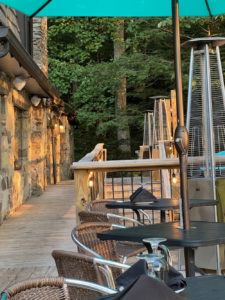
(101, 183)
(82, 191)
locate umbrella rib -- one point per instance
(209, 10)
(39, 9)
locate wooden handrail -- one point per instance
(94, 154)
(137, 164)
(127, 165)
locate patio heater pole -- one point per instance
(181, 134)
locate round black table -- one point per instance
(200, 288)
(201, 234)
(162, 205)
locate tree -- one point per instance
(123, 133)
(83, 68)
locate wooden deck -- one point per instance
(28, 237)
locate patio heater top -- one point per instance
(148, 111)
(200, 42)
(159, 97)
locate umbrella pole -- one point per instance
(181, 134)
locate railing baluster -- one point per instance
(132, 188)
(122, 187)
(113, 186)
(124, 222)
(132, 181)
(151, 182)
(103, 182)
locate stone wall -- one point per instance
(40, 53)
(26, 149)
(36, 143)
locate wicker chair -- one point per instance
(99, 216)
(77, 265)
(53, 288)
(40, 288)
(85, 237)
(125, 249)
(83, 267)
(100, 205)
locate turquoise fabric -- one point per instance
(124, 8)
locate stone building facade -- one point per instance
(36, 138)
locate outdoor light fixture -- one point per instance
(61, 127)
(19, 82)
(35, 100)
(174, 178)
(90, 179)
(91, 183)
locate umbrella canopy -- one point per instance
(124, 8)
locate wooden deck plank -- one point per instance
(38, 227)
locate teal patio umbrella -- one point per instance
(118, 8)
(138, 8)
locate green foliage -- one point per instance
(81, 66)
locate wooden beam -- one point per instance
(82, 191)
(138, 164)
(82, 178)
(94, 154)
(127, 165)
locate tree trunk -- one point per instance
(123, 133)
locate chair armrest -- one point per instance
(146, 215)
(109, 215)
(118, 226)
(82, 246)
(90, 285)
(105, 268)
(111, 263)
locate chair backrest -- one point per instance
(92, 216)
(54, 288)
(36, 289)
(79, 266)
(99, 205)
(87, 234)
(98, 216)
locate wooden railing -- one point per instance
(90, 171)
(84, 178)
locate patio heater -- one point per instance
(161, 124)
(206, 126)
(162, 137)
(146, 148)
